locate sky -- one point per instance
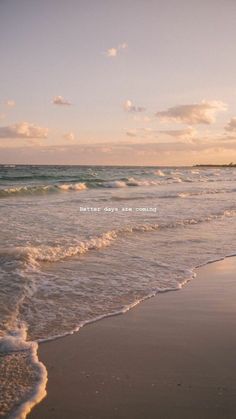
(112, 82)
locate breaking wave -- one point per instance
(32, 256)
(89, 184)
(42, 189)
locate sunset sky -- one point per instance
(118, 82)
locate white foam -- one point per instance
(40, 189)
(114, 184)
(138, 182)
(174, 179)
(159, 173)
(130, 182)
(183, 194)
(73, 187)
(15, 342)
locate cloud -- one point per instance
(131, 133)
(10, 103)
(69, 136)
(180, 134)
(231, 126)
(130, 107)
(113, 52)
(59, 100)
(145, 119)
(203, 150)
(202, 113)
(23, 130)
(150, 133)
(123, 46)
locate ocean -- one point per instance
(82, 243)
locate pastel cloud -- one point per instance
(231, 126)
(130, 107)
(181, 134)
(69, 136)
(10, 103)
(198, 113)
(60, 100)
(23, 130)
(131, 133)
(113, 52)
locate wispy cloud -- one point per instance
(231, 126)
(203, 150)
(70, 137)
(149, 133)
(60, 100)
(113, 51)
(132, 133)
(180, 134)
(10, 103)
(23, 130)
(202, 113)
(130, 107)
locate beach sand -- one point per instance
(173, 356)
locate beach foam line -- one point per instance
(15, 342)
(190, 274)
(20, 343)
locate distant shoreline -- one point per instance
(12, 165)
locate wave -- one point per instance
(174, 179)
(42, 189)
(88, 183)
(128, 182)
(204, 192)
(136, 182)
(32, 256)
(114, 184)
(159, 173)
(72, 187)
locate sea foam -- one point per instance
(15, 342)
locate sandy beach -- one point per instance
(173, 356)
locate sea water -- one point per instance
(82, 243)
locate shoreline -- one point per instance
(133, 365)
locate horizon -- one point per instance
(231, 164)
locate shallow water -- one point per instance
(81, 243)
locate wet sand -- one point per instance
(173, 356)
